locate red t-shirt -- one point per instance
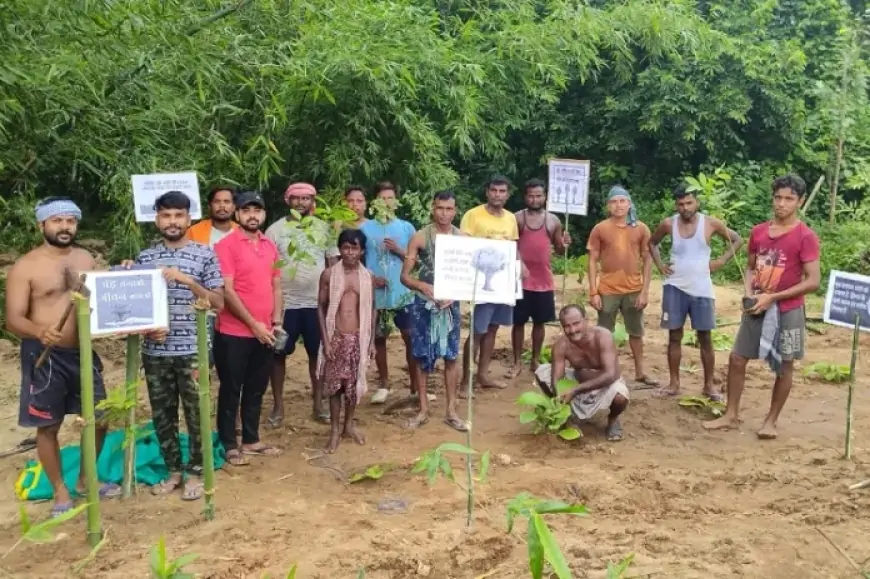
(779, 260)
(251, 264)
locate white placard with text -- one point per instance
(147, 188)
(568, 186)
(458, 258)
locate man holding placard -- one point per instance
(170, 359)
(36, 300)
(783, 267)
(245, 328)
(540, 231)
(491, 221)
(619, 246)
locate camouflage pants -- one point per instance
(170, 378)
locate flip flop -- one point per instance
(664, 393)
(646, 383)
(714, 397)
(456, 424)
(416, 422)
(323, 417)
(236, 458)
(267, 450)
(61, 508)
(194, 489)
(165, 487)
(614, 432)
(106, 491)
(274, 422)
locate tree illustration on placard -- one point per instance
(488, 261)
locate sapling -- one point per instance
(163, 568)
(618, 570)
(542, 545)
(549, 415)
(202, 307)
(131, 399)
(434, 461)
(89, 433)
(42, 532)
(373, 472)
(382, 213)
(620, 335)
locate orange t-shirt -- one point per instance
(621, 250)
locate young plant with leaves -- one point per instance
(549, 415)
(722, 342)
(164, 568)
(828, 372)
(542, 545)
(618, 570)
(435, 461)
(44, 531)
(714, 408)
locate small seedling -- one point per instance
(433, 461)
(542, 544)
(163, 568)
(79, 567)
(618, 570)
(42, 532)
(722, 342)
(549, 414)
(712, 407)
(620, 335)
(374, 472)
(834, 373)
(545, 358)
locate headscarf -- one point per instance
(619, 191)
(300, 190)
(49, 208)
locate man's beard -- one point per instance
(173, 237)
(689, 216)
(251, 226)
(53, 240)
(533, 209)
(221, 218)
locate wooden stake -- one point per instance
(89, 434)
(204, 412)
(132, 396)
(469, 476)
(565, 257)
(852, 364)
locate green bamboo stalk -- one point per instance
(204, 412)
(132, 395)
(89, 435)
(852, 364)
(469, 476)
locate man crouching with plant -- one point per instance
(591, 354)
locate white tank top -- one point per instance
(690, 260)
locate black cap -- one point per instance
(246, 198)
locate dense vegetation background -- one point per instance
(435, 94)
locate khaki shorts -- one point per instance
(792, 335)
(624, 304)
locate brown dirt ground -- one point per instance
(687, 502)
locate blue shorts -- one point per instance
(677, 304)
(301, 322)
(486, 315)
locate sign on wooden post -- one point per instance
(457, 258)
(147, 188)
(127, 301)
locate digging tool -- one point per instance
(75, 284)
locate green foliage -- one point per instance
(620, 335)
(542, 545)
(373, 472)
(828, 372)
(115, 408)
(433, 462)
(549, 415)
(163, 568)
(545, 358)
(712, 407)
(618, 570)
(44, 531)
(722, 342)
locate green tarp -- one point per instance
(33, 485)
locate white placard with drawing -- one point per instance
(458, 258)
(127, 301)
(568, 186)
(147, 188)
(848, 296)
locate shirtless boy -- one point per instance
(592, 357)
(36, 297)
(346, 312)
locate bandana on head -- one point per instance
(299, 190)
(45, 211)
(617, 191)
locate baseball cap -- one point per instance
(246, 198)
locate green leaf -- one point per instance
(446, 467)
(484, 466)
(555, 507)
(291, 574)
(361, 574)
(552, 552)
(527, 416)
(564, 385)
(536, 548)
(25, 520)
(185, 560)
(532, 399)
(570, 433)
(455, 447)
(158, 557)
(432, 468)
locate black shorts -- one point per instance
(52, 391)
(540, 307)
(301, 322)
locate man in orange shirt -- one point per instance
(219, 223)
(621, 245)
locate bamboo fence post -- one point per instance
(470, 414)
(850, 397)
(89, 435)
(132, 397)
(205, 409)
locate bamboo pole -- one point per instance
(89, 435)
(469, 476)
(565, 256)
(132, 398)
(205, 411)
(849, 398)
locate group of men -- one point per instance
(340, 299)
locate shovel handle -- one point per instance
(66, 314)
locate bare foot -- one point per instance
(354, 434)
(767, 432)
(533, 367)
(463, 394)
(514, 371)
(669, 391)
(418, 421)
(332, 445)
(722, 423)
(486, 383)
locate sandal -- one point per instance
(417, 422)
(274, 422)
(456, 424)
(60, 509)
(235, 458)
(646, 383)
(166, 487)
(614, 432)
(106, 491)
(665, 393)
(713, 396)
(194, 489)
(265, 450)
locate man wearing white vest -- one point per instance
(688, 286)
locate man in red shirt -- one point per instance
(245, 328)
(783, 267)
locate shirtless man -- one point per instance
(594, 363)
(36, 297)
(346, 313)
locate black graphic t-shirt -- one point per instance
(200, 263)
